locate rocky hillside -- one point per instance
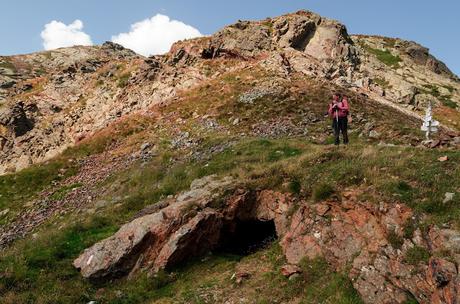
(205, 175)
(52, 100)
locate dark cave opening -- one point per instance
(243, 237)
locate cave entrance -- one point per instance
(243, 237)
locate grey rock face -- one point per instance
(16, 119)
(421, 55)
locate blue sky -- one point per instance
(432, 23)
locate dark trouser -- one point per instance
(340, 126)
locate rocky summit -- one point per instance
(207, 175)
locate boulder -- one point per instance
(191, 224)
(159, 235)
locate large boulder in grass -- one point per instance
(191, 224)
(385, 262)
(155, 240)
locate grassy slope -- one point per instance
(38, 269)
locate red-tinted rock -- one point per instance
(289, 269)
(351, 235)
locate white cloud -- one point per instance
(155, 36)
(57, 34)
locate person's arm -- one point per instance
(344, 105)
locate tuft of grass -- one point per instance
(6, 64)
(395, 240)
(322, 192)
(295, 186)
(448, 103)
(416, 255)
(268, 24)
(411, 300)
(123, 80)
(283, 152)
(432, 90)
(409, 228)
(401, 190)
(451, 89)
(382, 82)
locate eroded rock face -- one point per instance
(363, 235)
(363, 238)
(16, 119)
(421, 55)
(320, 38)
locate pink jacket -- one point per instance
(342, 109)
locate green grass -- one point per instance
(416, 255)
(395, 173)
(322, 192)
(63, 191)
(382, 82)
(123, 80)
(7, 65)
(325, 286)
(448, 103)
(19, 188)
(40, 270)
(248, 154)
(385, 56)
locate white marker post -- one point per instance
(429, 124)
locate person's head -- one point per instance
(345, 97)
(336, 97)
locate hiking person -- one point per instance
(338, 111)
